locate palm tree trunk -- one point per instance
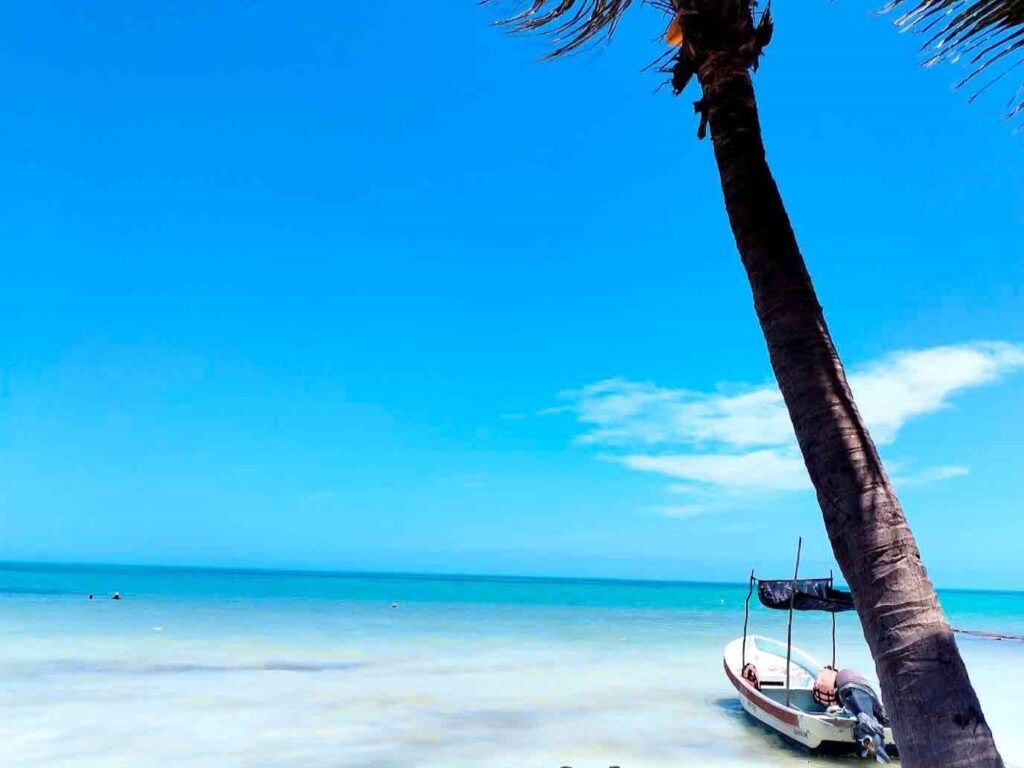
(937, 719)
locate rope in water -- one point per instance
(988, 635)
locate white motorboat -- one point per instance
(820, 707)
(796, 714)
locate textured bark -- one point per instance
(937, 719)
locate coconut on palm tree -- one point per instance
(936, 717)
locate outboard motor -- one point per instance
(857, 696)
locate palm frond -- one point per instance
(570, 23)
(984, 34)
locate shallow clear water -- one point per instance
(219, 668)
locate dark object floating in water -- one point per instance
(116, 596)
(989, 635)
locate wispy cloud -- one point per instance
(931, 475)
(623, 412)
(741, 439)
(899, 387)
(769, 470)
(684, 510)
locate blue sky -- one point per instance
(332, 286)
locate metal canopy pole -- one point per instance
(831, 584)
(746, 616)
(792, 602)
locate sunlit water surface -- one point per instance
(231, 669)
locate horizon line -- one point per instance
(439, 575)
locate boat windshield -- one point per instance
(797, 657)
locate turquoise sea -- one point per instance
(226, 669)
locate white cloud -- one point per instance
(622, 412)
(930, 475)
(889, 392)
(767, 470)
(899, 387)
(744, 439)
(684, 510)
(555, 410)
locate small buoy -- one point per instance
(90, 597)
(394, 605)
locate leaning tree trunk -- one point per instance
(936, 717)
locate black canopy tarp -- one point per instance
(811, 595)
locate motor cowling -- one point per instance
(856, 695)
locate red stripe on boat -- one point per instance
(760, 700)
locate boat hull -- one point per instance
(813, 730)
